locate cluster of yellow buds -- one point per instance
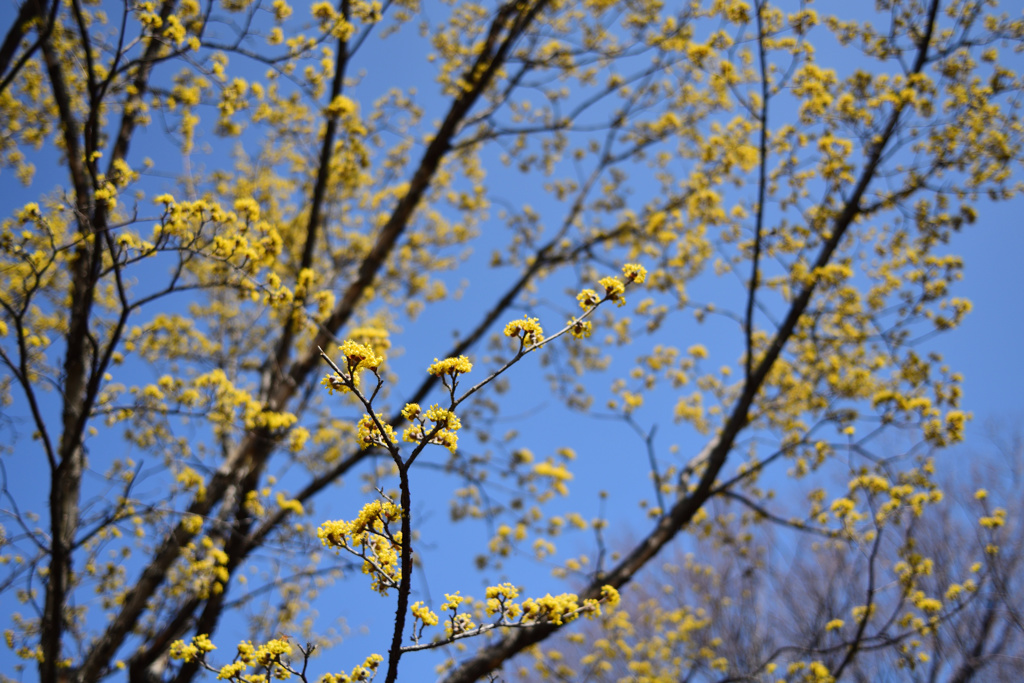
(370, 538)
(444, 431)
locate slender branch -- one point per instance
(30, 9)
(316, 208)
(855, 644)
(405, 581)
(66, 477)
(762, 189)
(764, 512)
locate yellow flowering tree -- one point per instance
(948, 606)
(227, 223)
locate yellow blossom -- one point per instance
(369, 434)
(450, 366)
(588, 298)
(359, 356)
(634, 272)
(527, 329)
(423, 613)
(613, 289)
(580, 329)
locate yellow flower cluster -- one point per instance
(844, 508)
(549, 609)
(528, 330)
(581, 329)
(588, 298)
(443, 416)
(610, 596)
(422, 613)
(270, 655)
(29, 212)
(203, 570)
(995, 520)
(444, 419)
(459, 624)
(369, 434)
(192, 480)
(451, 366)
(634, 272)
(359, 356)
(374, 335)
(340, 106)
(558, 475)
(246, 206)
(266, 654)
(334, 382)
(188, 653)
(185, 221)
(613, 290)
(369, 537)
(281, 10)
(192, 523)
(291, 505)
(499, 600)
(453, 600)
(366, 671)
(373, 518)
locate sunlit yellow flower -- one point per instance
(527, 329)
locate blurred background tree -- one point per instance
(754, 596)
